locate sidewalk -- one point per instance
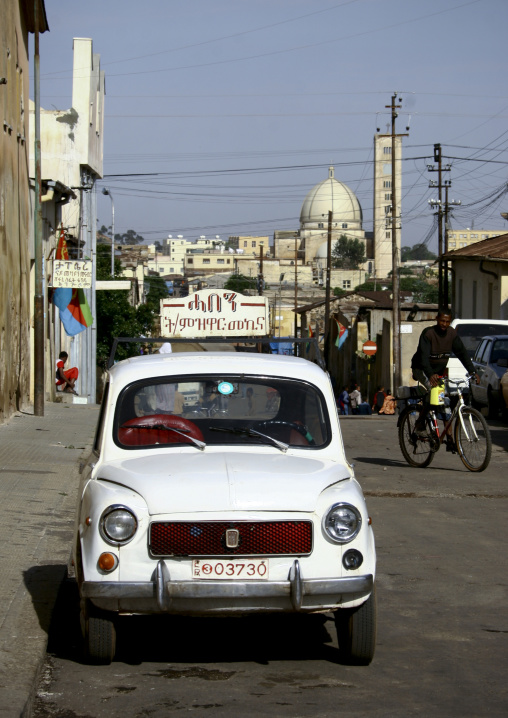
(39, 478)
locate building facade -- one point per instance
(384, 214)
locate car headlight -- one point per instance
(342, 523)
(118, 524)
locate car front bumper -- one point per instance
(204, 597)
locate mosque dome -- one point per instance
(330, 194)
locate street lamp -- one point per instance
(106, 191)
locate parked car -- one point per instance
(490, 361)
(218, 486)
(472, 331)
(504, 396)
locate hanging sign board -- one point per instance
(215, 312)
(369, 348)
(76, 274)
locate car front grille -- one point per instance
(208, 538)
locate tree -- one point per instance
(239, 283)
(129, 237)
(416, 253)
(348, 253)
(117, 318)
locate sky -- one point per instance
(221, 116)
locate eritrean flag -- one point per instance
(341, 335)
(61, 251)
(75, 313)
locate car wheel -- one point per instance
(99, 634)
(356, 632)
(492, 405)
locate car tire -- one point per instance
(356, 632)
(99, 634)
(492, 405)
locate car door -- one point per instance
(480, 361)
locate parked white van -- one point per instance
(472, 331)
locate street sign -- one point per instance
(72, 273)
(369, 348)
(214, 312)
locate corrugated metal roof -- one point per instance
(494, 248)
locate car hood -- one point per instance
(190, 483)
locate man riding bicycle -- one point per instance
(429, 362)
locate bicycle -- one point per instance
(471, 434)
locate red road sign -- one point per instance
(369, 348)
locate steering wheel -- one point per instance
(147, 430)
(293, 425)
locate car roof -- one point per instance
(189, 363)
(495, 336)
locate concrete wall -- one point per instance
(480, 294)
(14, 213)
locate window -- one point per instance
(387, 150)
(387, 184)
(346, 284)
(171, 269)
(388, 209)
(484, 236)
(451, 244)
(388, 235)
(228, 261)
(206, 261)
(388, 196)
(320, 225)
(245, 243)
(190, 261)
(253, 245)
(344, 225)
(220, 261)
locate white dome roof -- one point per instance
(330, 194)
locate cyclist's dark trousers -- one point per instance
(420, 376)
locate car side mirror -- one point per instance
(502, 362)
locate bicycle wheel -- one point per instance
(473, 439)
(417, 451)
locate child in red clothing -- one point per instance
(66, 377)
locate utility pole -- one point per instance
(296, 284)
(39, 332)
(260, 275)
(328, 276)
(443, 298)
(447, 206)
(397, 373)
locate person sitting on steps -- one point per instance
(66, 378)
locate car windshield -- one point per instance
(221, 410)
(472, 334)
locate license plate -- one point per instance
(241, 570)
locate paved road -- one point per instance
(441, 537)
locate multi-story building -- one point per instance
(460, 238)
(384, 213)
(72, 159)
(250, 245)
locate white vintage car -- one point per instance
(218, 485)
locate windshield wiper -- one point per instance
(162, 427)
(252, 432)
